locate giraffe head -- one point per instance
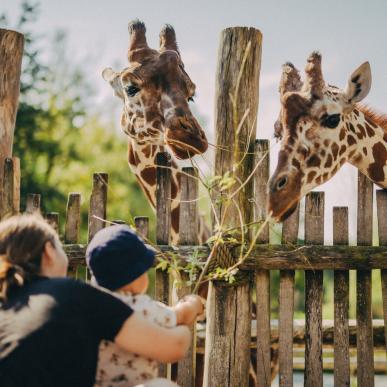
(156, 92)
(316, 131)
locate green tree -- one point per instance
(59, 138)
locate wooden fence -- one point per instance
(228, 338)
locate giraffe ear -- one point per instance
(114, 79)
(359, 84)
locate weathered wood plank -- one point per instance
(11, 187)
(301, 258)
(262, 284)
(16, 184)
(299, 334)
(8, 189)
(163, 226)
(227, 352)
(314, 234)
(142, 226)
(341, 303)
(52, 219)
(73, 218)
(286, 306)
(11, 54)
(286, 311)
(381, 203)
(188, 235)
(365, 353)
(262, 277)
(98, 202)
(33, 203)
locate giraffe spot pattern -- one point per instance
(311, 176)
(375, 169)
(149, 175)
(328, 163)
(313, 161)
(296, 163)
(335, 150)
(175, 215)
(327, 142)
(351, 140)
(370, 131)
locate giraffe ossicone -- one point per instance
(156, 92)
(321, 127)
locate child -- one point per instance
(119, 261)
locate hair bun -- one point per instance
(11, 276)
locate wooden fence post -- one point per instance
(314, 235)
(73, 218)
(72, 225)
(33, 203)
(228, 329)
(98, 202)
(262, 277)
(286, 305)
(8, 189)
(365, 348)
(52, 219)
(188, 235)
(381, 202)
(11, 53)
(163, 229)
(341, 303)
(142, 226)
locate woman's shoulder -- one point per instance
(65, 286)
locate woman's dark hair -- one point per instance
(22, 242)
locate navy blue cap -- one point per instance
(116, 256)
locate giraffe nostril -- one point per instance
(281, 183)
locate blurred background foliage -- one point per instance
(61, 138)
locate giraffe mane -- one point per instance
(375, 116)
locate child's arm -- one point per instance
(188, 309)
(139, 335)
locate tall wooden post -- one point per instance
(163, 230)
(227, 353)
(11, 53)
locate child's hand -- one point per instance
(188, 309)
(199, 304)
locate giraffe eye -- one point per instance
(330, 121)
(282, 182)
(132, 90)
(191, 99)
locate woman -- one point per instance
(51, 326)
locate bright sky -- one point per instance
(346, 32)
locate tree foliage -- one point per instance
(59, 137)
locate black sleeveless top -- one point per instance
(50, 330)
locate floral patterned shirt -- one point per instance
(117, 367)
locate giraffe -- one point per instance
(156, 116)
(321, 128)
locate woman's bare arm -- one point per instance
(145, 338)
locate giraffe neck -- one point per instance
(369, 151)
(142, 162)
